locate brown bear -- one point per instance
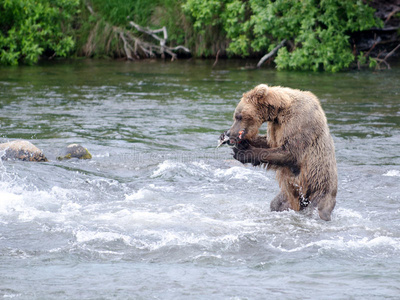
(298, 146)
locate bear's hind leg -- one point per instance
(280, 203)
(326, 204)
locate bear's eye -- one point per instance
(238, 117)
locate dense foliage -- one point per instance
(317, 31)
(28, 28)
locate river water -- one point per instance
(159, 213)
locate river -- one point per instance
(159, 213)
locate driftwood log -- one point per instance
(270, 54)
(385, 58)
(134, 47)
(162, 49)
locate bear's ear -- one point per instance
(261, 91)
(257, 95)
(275, 96)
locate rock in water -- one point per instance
(75, 150)
(21, 150)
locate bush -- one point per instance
(28, 28)
(317, 31)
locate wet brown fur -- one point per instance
(298, 146)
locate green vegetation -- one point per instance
(28, 28)
(99, 35)
(317, 31)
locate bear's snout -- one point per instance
(234, 137)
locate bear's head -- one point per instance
(259, 105)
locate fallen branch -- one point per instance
(377, 41)
(270, 54)
(127, 44)
(90, 9)
(384, 60)
(216, 59)
(162, 48)
(380, 60)
(153, 34)
(392, 14)
(392, 52)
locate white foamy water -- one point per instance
(392, 173)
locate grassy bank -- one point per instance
(307, 35)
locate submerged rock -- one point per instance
(21, 150)
(75, 150)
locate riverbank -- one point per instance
(330, 36)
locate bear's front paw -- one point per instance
(248, 155)
(243, 145)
